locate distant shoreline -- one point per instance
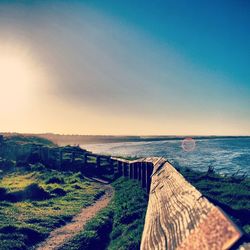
(94, 139)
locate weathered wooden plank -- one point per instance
(179, 217)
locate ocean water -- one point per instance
(225, 155)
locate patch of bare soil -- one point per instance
(61, 235)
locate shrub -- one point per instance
(76, 186)
(31, 192)
(12, 241)
(32, 236)
(3, 192)
(58, 192)
(19, 237)
(84, 241)
(35, 192)
(58, 180)
(37, 167)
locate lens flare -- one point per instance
(188, 144)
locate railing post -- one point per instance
(131, 170)
(48, 154)
(120, 167)
(98, 161)
(125, 169)
(72, 157)
(111, 165)
(85, 158)
(60, 158)
(40, 152)
(143, 174)
(149, 171)
(139, 170)
(115, 165)
(136, 170)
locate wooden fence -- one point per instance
(178, 215)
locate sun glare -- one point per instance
(18, 79)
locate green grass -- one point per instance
(29, 219)
(228, 192)
(20, 139)
(120, 225)
(34, 200)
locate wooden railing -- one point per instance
(178, 215)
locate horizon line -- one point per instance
(127, 135)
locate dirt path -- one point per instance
(60, 235)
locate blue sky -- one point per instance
(126, 67)
(213, 34)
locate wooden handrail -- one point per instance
(179, 217)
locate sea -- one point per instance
(226, 155)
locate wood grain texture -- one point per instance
(179, 217)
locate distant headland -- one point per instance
(75, 139)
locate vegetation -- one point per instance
(29, 139)
(120, 225)
(230, 192)
(35, 201)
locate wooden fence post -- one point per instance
(48, 154)
(61, 156)
(120, 167)
(125, 169)
(135, 176)
(139, 170)
(111, 165)
(131, 170)
(98, 161)
(149, 171)
(40, 152)
(143, 174)
(85, 158)
(72, 157)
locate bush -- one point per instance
(84, 241)
(12, 241)
(6, 164)
(53, 180)
(76, 186)
(3, 192)
(31, 192)
(35, 192)
(58, 192)
(37, 167)
(32, 235)
(13, 237)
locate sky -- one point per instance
(134, 67)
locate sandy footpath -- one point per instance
(62, 234)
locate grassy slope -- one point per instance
(31, 139)
(110, 226)
(30, 219)
(231, 195)
(120, 225)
